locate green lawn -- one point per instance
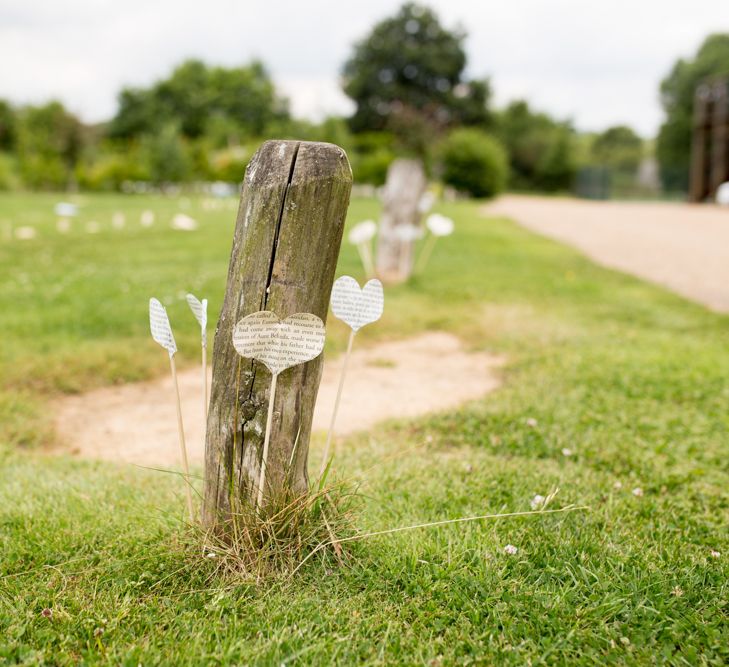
(612, 385)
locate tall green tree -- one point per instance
(673, 146)
(408, 75)
(8, 126)
(229, 103)
(49, 143)
(618, 147)
(541, 149)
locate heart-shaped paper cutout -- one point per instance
(200, 311)
(362, 232)
(439, 225)
(159, 325)
(357, 306)
(279, 344)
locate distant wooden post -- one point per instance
(710, 136)
(285, 249)
(403, 191)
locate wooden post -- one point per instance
(698, 182)
(403, 190)
(719, 166)
(285, 249)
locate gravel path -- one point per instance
(684, 247)
(136, 423)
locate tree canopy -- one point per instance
(410, 67)
(541, 152)
(673, 146)
(199, 99)
(618, 147)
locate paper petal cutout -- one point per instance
(357, 306)
(439, 225)
(200, 311)
(362, 232)
(279, 344)
(159, 325)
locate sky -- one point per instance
(597, 63)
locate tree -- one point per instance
(168, 160)
(407, 74)
(541, 149)
(199, 99)
(8, 126)
(49, 143)
(618, 147)
(673, 146)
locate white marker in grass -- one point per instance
(200, 311)
(356, 307)
(438, 225)
(361, 236)
(278, 344)
(159, 325)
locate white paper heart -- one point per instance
(439, 225)
(200, 311)
(362, 232)
(279, 344)
(357, 306)
(159, 325)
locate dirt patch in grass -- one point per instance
(136, 423)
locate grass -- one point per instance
(612, 385)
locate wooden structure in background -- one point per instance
(285, 249)
(404, 188)
(710, 142)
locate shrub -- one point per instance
(371, 167)
(8, 172)
(474, 162)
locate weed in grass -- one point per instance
(256, 543)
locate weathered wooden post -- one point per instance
(403, 191)
(285, 249)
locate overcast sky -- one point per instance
(597, 62)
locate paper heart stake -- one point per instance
(438, 225)
(159, 325)
(278, 344)
(356, 307)
(361, 236)
(200, 311)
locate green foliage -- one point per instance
(109, 168)
(168, 156)
(541, 149)
(673, 146)
(474, 162)
(49, 143)
(371, 167)
(8, 171)
(231, 103)
(229, 164)
(410, 67)
(8, 126)
(618, 147)
(96, 567)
